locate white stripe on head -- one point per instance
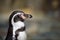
(12, 21)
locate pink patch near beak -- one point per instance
(23, 16)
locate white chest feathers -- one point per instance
(16, 26)
(22, 36)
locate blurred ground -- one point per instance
(45, 24)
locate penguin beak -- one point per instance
(25, 16)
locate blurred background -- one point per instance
(45, 24)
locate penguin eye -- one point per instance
(18, 16)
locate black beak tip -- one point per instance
(30, 16)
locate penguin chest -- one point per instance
(22, 36)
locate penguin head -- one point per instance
(19, 16)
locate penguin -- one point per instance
(17, 28)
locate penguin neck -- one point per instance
(17, 25)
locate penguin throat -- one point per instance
(17, 25)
